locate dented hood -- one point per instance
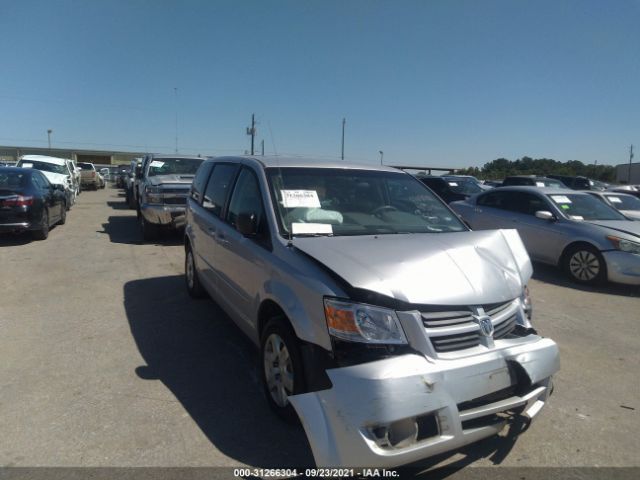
(471, 268)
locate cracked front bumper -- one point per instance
(345, 424)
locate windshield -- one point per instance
(624, 202)
(44, 166)
(549, 182)
(463, 185)
(584, 207)
(323, 201)
(12, 180)
(175, 166)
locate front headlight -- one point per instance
(525, 300)
(624, 245)
(358, 322)
(153, 195)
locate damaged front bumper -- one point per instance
(399, 410)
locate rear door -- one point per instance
(494, 210)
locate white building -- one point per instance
(622, 173)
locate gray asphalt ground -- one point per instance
(105, 361)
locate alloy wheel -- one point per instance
(278, 369)
(584, 265)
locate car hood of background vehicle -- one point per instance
(173, 178)
(629, 227)
(56, 178)
(464, 268)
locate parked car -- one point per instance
(576, 183)
(30, 202)
(451, 189)
(121, 176)
(532, 180)
(164, 182)
(56, 170)
(130, 183)
(88, 176)
(583, 236)
(628, 205)
(75, 176)
(390, 329)
(101, 179)
(628, 189)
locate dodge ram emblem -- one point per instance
(484, 322)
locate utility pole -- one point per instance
(344, 121)
(381, 155)
(175, 94)
(630, 160)
(252, 131)
(262, 145)
(49, 138)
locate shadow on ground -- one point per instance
(549, 274)
(118, 205)
(15, 239)
(211, 368)
(125, 229)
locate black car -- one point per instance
(451, 189)
(29, 202)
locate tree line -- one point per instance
(502, 167)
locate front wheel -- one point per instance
(63, 215)
(585, 264)
(150, 231)
(281, 367)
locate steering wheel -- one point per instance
(384, 208)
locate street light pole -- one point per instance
(630, 160)
(381, 155)
(344, 121)
(49, 137)
(175, 94)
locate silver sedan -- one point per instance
(628, 205)
(591, 241)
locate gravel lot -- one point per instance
(105, 361)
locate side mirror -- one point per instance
(247, 224)
(545, 215)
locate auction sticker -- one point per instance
(156, 164)
(614, 199)
(300, 199)
(560, 199)
(311, 228)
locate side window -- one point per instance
(41, 181)
(529, 204)
(199, 182)
(494, 200)
(218, 187)
(246, 199)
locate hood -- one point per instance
(185, 180)
(634, 214)
(464, 268)
(625, 226)
(57, 178)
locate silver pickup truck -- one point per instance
(391, 330)
(162, 185)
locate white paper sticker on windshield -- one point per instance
(614, 199)
(298, 228)
(540, 184)
(27, 165)
(300, 199)
(453, 184)
(576, 217)
(156, 163)
(560, 199)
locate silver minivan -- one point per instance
(385, 325)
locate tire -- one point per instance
(43, 232)
(149, 230)
(585, 264)
(279, 345)
(194, 287)
(63, 215)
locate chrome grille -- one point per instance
(175, 200)
(451, 330)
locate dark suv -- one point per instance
(575, 183)
(451, 189)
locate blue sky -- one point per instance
(452, 83)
